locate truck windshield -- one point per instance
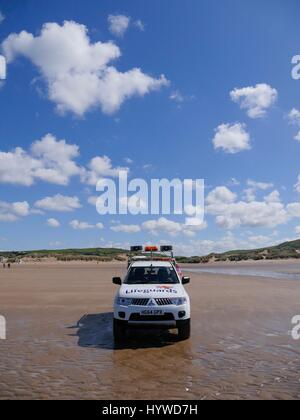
(152, 275)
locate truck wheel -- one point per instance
(119, 330)
(184, 329)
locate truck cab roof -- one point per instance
(150, 263)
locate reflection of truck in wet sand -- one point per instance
(152, 295)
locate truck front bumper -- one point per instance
(161, 316)
(153, 325)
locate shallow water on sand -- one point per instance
(60, 344)
(282, 272)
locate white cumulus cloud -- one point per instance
(293, 209)
(118, 24)
(57, 159)
(18, 167)
(220, 195)
(294, 116)
(297, 185)
(126, 228)
(78, 73)
(297, 136)
(164, 225)
(256, 100)
(232, 138)
(78, 225)
(92, 200)
(59, 203)
(54, 223)
(258, 185)
(232, 213)
(11, 212)
(250, 193)
(49, 160)
(273, 197)
(2, 68)
(53, 161)
(99, 167)
(294, 119)
(225, 243)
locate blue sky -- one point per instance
(213, 99)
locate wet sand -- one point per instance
(282, 270)
(59, 339)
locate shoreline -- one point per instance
(252, 261)
(53, 261)
(247, 262)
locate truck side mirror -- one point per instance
(117, 280)
(185, 280)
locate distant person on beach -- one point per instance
(8, 265)
(3, 265)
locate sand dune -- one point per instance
(59, 339)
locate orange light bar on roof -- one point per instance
(151, 248)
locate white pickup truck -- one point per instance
(152, 295)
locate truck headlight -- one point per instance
(124, 301)
(179, 301)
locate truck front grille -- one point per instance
(140, 302)
(141, 318)
(163, 301)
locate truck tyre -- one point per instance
(184, 329)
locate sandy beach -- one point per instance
(59, 338)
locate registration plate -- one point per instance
(152, 312)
